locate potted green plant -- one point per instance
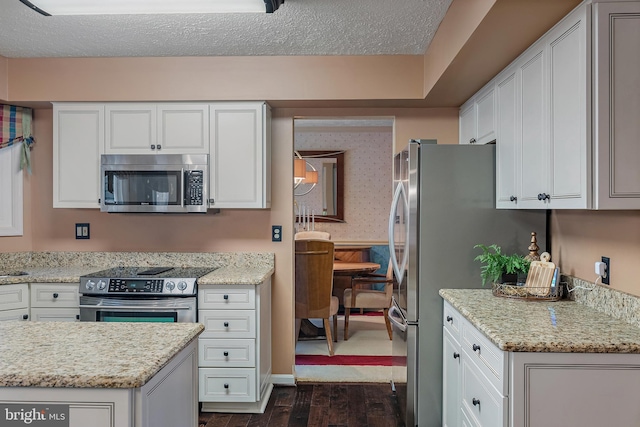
(496, 265)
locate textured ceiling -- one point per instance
(299, 27)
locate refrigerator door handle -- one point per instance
(399, 196)
(397, 319)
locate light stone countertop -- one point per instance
(542, 326)
(88, 354)
(67, 267)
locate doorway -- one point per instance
(367, 144)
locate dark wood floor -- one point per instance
(319, 405)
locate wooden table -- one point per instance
(343, 272)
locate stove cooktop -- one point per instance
(143, 281)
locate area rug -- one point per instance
(364, 357)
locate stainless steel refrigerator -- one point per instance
(443, 205)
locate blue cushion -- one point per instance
(380, 255)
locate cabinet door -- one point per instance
(468, 123)
(130, 128)
(451, 402)
(240, 155)
(617, 97)
(507, 170)
(78, 138)
(569, 183)
(534, 157)
(11, 180)
(486, 115)
(183, 128)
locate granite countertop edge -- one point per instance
(226, 275)
(543, 326)
(142, 360)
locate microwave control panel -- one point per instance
(194, 186)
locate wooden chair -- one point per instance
(361, 295)
(314, 286)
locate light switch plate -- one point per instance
(82, 230)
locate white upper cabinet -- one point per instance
(183, 128)
(147, 128)
(543, 121)
(240, 155)
(507, 150)
(130, 128)
(478, 117)
(617, 105)
(78, 138)
(237, 135)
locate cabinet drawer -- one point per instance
(14, 296)
(451, 320)
(54, 295)
(484, 405)
(228, 324)
(490, 359)
(17, 314)
(216, 353)
(55, 314)
(235, 298)
(227, 385)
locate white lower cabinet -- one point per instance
(475, 387)
(57, 302)
(488, 387)
(14, 302)
(234, 351)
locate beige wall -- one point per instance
(216, 78)
(4, 78)
(580, 238)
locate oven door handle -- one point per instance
(138, 308)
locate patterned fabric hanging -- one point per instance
(15, 127)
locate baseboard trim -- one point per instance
(283, 379)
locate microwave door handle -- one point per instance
(184, 183)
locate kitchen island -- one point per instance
(510, 362)
(103, 374)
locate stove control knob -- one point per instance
(170, 286)
(182, 285)
(102, 284)
(90, 284)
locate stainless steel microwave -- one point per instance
(154, 183)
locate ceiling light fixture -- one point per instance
(149, 7)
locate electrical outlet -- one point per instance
(82, 231)
(607, 271)
(276, 233)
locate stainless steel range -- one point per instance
(141, 294)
